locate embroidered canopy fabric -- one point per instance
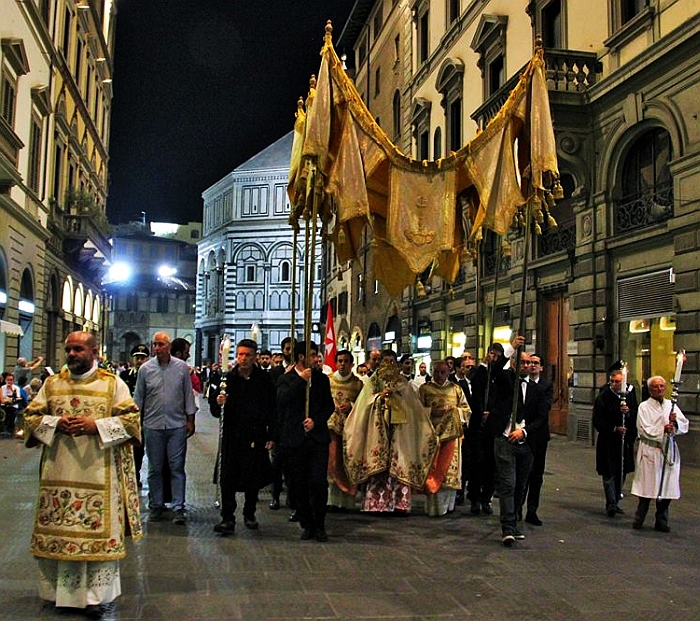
(421, 213)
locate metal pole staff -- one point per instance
(623, 404)
(521, 319)
(668, 439)
(488, 334)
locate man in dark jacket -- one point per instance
(538, 441)
(615, 420)
(246, 409)
(512, 453)
(304, 438)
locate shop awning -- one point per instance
(12, 329)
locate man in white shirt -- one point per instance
(658, 470)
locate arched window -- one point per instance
(285, 271)
(397, 115)
(437, 144)
(450, 83)
(26, 313)
(67, 298)
(644, 185)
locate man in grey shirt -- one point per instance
(164, 396)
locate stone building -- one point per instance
(619, 276)
(151, 285)
(55, 94)
(246, 261)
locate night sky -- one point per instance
(201, 86)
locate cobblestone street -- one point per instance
(579, 565)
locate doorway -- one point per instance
(557, 364)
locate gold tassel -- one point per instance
(420, 290)
(557, 190)
(551, 222)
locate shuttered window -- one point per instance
(647, 295)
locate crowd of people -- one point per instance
(469, 432)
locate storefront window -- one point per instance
(646, 344)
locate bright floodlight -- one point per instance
(165, 271)
(118, 272)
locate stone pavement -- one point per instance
(581, 565)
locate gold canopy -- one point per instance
(421, 213)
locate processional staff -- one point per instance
(669, 445)
(623, 411)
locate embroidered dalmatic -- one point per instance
(388, 444)
(345, 390)
(449, 411)
(88, 494)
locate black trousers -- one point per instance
(481, 467)
(534, 484)
(229, 504)
(306, 469)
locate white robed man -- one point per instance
(85, 421)
(345, 388)
(449, 413)
(389, 442)
(659, 421)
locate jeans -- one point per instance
(170, 445)
(513, 463)
(612, 486)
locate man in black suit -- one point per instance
(512, 453)
(304, 438)
(538, 440)
(481, 470)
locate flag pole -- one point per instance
(488, 334)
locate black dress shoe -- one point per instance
(225, 528)
(307, 534)
(662, 527)
(274, 504)
(531, 518)
(476, 508)
(321, 536)
(293, 517)
(251, 523)
(486, 508)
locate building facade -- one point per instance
(151, 285)
(619, 277)
(246, 259)
(55, 90)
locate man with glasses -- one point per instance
(538, 440)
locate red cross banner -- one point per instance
(330, 349)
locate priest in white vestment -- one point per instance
(658, 468)
(85, 421)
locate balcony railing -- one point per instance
(557, 240)
(571, 71)
(644, 209)
(566, 71)
(490, 263)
